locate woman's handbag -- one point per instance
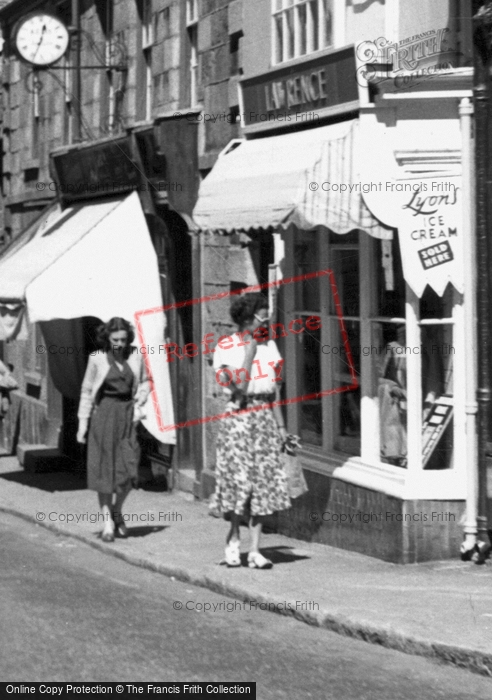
(296, 483)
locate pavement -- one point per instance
(441, 609)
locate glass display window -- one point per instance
(401, 413)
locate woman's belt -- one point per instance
(263, 398)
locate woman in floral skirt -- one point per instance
(250, 479)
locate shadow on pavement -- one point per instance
(280, 555)
(48, 481)
(141, 531)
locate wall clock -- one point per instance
(41, 38)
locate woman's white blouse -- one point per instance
(262, 373)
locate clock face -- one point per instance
(41, 39)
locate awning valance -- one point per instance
(90, 260)
(308, 178)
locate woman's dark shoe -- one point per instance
(121, 529)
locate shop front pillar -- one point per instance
(482, 36)
(469, 336)
(414, 386)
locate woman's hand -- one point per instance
(283, 433)
(82, 432)
(397, 392)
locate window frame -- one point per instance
(192, 32)
(314, 39)
(148, 30)
(191, 12)
(147, 54)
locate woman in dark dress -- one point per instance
(113, 391)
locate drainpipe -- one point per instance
(76, 39)
(468, 548)
(482, 38)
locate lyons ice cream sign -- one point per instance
(430, 233)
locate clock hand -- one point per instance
(40, 40)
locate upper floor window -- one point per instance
(300, 27)
(105, 10)
(191, 11)
(147, 24)
(192, 29)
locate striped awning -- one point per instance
(307, 178)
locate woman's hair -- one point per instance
(112, 326)
(245, 306)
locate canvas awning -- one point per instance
(308, 178)
(90, 260)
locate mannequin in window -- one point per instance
(392, 392)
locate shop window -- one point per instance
(391, 364)
(437, 352)
(308, 354)
(300, 27)
(309, 373)
(306, 257)
(344, 258)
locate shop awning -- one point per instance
(307, 178)
(89, 260)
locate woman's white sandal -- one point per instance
(232, 555)
(258, 561)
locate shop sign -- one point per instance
(430, 230)
(103, 169)
(300, 92)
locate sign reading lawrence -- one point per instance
(301, 92)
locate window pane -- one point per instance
(437, 390)
(313, 5)
(347, 403)
(327, 29)
(309, 358)
(306, 258)
(302, 15)
(392, 392)
(346, 270)
(390, 281)
(289, 16)
(279, 39)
